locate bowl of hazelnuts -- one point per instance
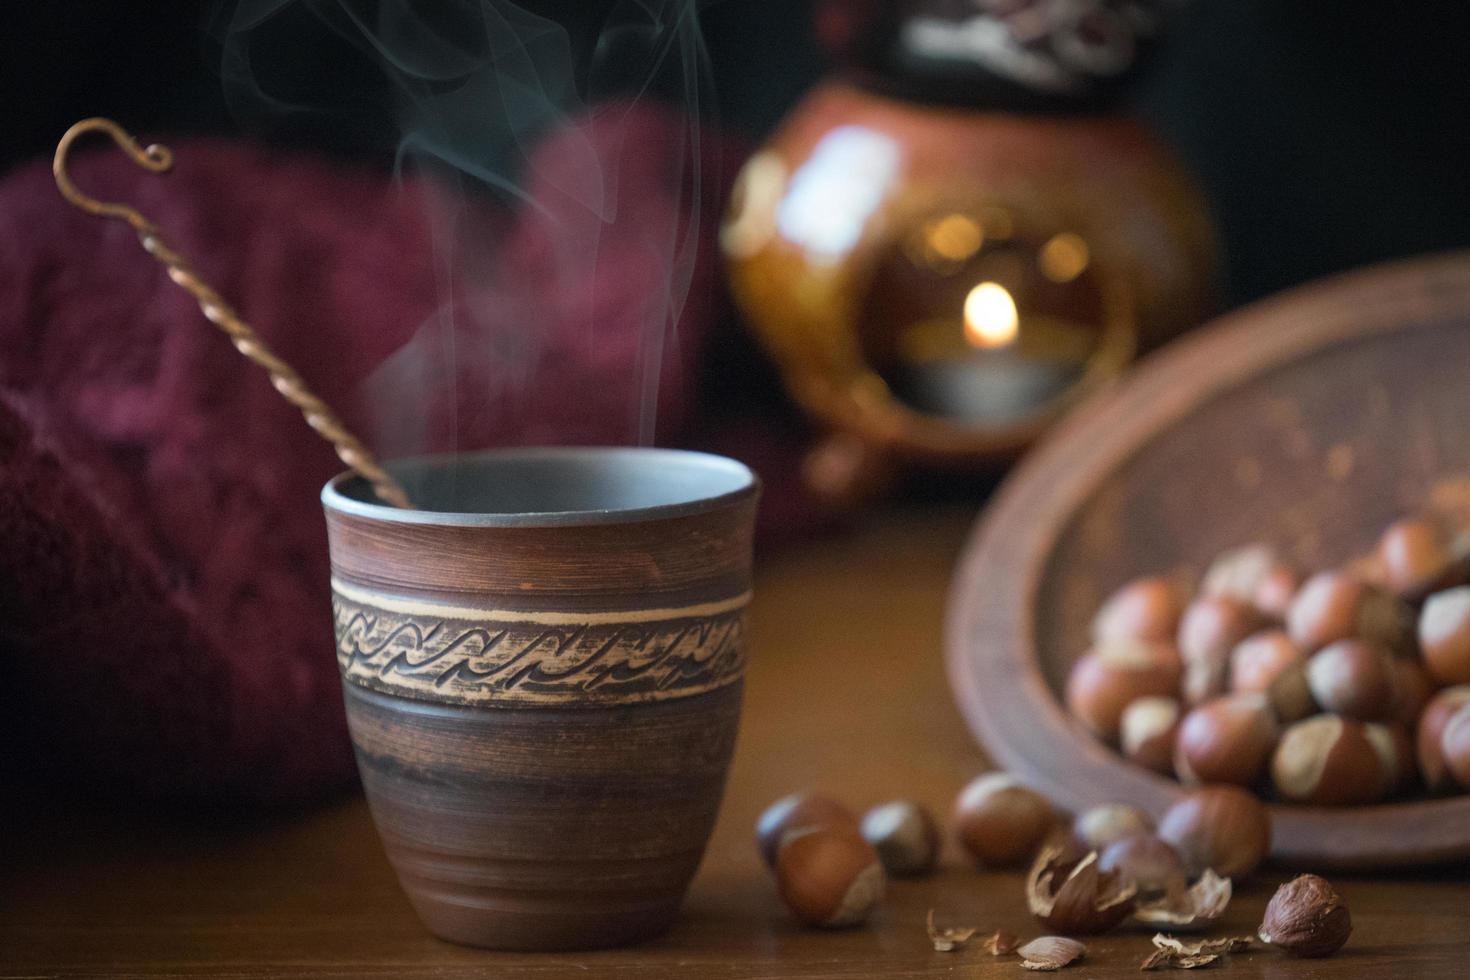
(1249, 565)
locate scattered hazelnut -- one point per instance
(1222, 828)
(1290, 695)
(1078, 898)
(1103, 825)
(1111, 676)
(829, 876)
(1148, 728)
(1444, 635)
(1412, 690)
(799, 811)
(1001, 822)
(1455, 746)
(1352, 678)
(1416, 559)
(1151, 863)
(1428, 742)
(904, 835)
(1334, 606)
(1210, 629)
(1329, 760)
(1259, 659)
(1255, 575)
(1395, 754)
(1144, 609)
(1306, 917)
(1226, 740)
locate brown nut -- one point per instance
(1334, 606)
(1352, 678)
(1255, 575)
(829, 876)
(1306, 917)
(1454, 744)
(1290, 695)
(1152, 864)
(1259, 659)
(1416, 559)
(1102, 825)
(1428, 743)
(1328, 760)
(1001, 822)
(1444, 635)
(1144, 609)
(1221, 828)
(1111, 676)
(799, 811)
(1226, 740)
(1148, 730)
(904, 835)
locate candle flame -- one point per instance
(991, 319)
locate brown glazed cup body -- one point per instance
(542, 669)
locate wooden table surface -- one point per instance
(846, 692)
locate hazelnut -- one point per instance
(829, 876)
(1227, 740)
(1444, 635)
(1001, 822)
(1210, 629)
(1149, 726)
(1395, 754)
(1259, 659)
(1113, 675)
(904, 835)
(1144, 609)
(1255, 575)
(799, 811)
(1329, 760)
(1290, 695)
(1454, 744)
(1220, 828)
(1152, 864)
(1306, 917)
(1412, 690)
(1428, 742)
(1334, 606)
(1103, 825)
(1352, 678)
(1416, 558)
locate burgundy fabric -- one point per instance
(163, 595)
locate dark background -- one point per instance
(1326, 135)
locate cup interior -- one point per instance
(550, 485)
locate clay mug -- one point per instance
(542, 671)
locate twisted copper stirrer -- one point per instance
(284, 377)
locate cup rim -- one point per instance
(334, 498)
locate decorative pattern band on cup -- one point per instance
(509, 658)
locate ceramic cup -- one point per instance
(542, 668)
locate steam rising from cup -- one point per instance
(567, 186)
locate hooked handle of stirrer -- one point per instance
(283, 377)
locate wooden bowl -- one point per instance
(1309, 421)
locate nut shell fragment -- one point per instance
(1077, 899)
(1193, 907)
(1048, 953)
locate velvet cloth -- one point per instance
(164, 606)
